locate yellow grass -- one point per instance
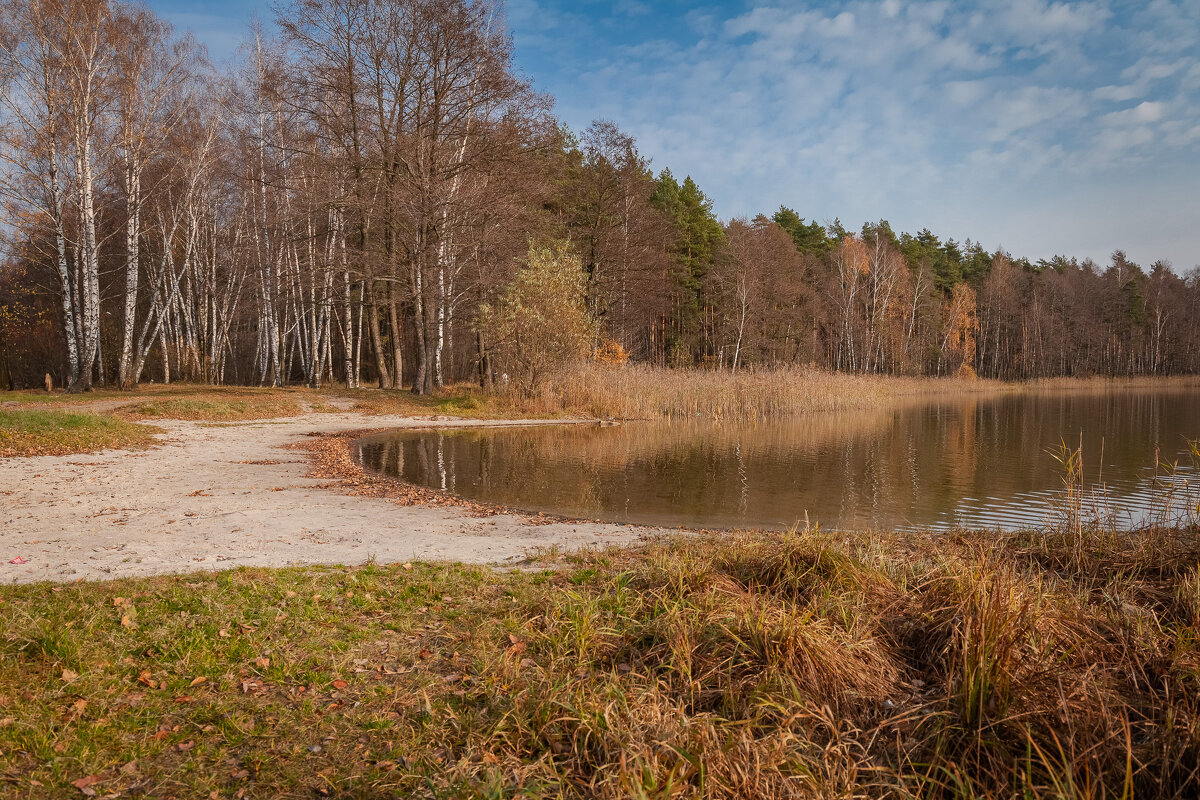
(637, 391)
(642, 392)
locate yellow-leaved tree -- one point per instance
(960, 327)
(540, 324)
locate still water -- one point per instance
(970, 461)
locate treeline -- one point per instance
(347, 202)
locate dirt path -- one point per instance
(199, 502)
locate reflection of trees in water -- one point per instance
(883, 467)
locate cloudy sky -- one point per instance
(1040, 127)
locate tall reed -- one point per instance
(638, 391)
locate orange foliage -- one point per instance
(611, 352)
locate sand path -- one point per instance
(194, 503)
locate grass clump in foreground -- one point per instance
(29, 432)
(725, 667)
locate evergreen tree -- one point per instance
(809, 238)
(700, 237)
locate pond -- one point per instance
(971, 461)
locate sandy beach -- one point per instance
(220, 496)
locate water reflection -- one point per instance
(976, 462)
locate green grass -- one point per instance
(57, 397)
(974, 665)
(30, 432)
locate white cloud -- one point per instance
(928, 113)
(1119, 94)
(1138, 115)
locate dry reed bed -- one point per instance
(637, 391)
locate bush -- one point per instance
(540, 324)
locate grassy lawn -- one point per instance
(235, 403)
(734, 666)
(34, 432)
(214, 408)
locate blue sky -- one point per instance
(1042, 127)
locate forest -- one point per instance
(374, 195)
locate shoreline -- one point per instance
(220, 494)
(219, 497)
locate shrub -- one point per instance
(540, 324)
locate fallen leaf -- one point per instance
(130, 768)
(262, 662)
(223, 633)
(516, 646)
(126, 622)
(184, 698)
(340, 684)
(79, 706)
(69, 675)
(85, 784)
(183, 746)
(144, 677)
(198, 680)
(407, 566)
